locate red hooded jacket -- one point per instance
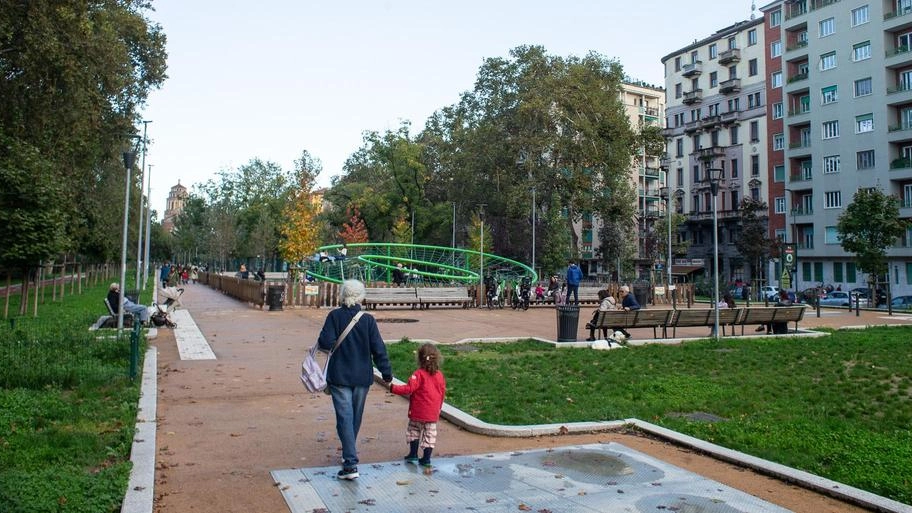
(427, 392)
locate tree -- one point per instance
(299, 230)
(354, 230)
(870, 225)
(753, 242)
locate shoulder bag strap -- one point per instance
(347, 331)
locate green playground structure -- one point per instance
(423, 265)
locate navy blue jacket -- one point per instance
(630, 302)
(353, 362)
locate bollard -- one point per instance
(857, 306)
(134, 347)
(818, 307)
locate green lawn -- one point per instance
(838, 406)
(67, 410)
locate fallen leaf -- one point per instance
(523, 507)
(368, 502)
(403, 482)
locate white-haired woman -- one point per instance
(351, 369)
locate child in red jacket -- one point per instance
(426, 388)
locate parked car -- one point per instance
(902, 303)
(865, 294)
(769, 292)
(836, 298)
(812, 295)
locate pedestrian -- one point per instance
(426, 389)
(574, 276)
(351, 369)
(165, 273)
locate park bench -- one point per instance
(762, 315)
(588, 295)
(654, 319)
(701, 317)
(390, 296)
(428, 296)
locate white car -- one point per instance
(769, 292)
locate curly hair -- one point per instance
(429, 358)
(351, 293)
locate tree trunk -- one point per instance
(24, 292)
(9, 279)
(35, 303)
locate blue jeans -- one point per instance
(349, 405)
(572, 289)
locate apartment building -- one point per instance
(839, 82)
(715, 117)
(645, 105)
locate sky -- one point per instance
(272, 78)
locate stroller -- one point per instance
(162, 314)
(524, 295)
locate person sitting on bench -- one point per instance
(606, 304)
(129, 306)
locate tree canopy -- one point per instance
(868, 227)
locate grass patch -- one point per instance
(839, 406)
(67, 410)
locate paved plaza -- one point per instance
(239, 433)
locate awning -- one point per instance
(684, 270)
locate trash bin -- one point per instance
(641, 293)
(567, 322)
(274, 295)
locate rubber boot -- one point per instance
(412, 456)
(425, 460)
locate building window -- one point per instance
(776, 48)
(818, 266)
(755, 165)
(850, 272)
(779, 203)
(776, 79)
(734, 105)
(831, 164)
(680, 176)
(837, 272)
(752, 67)
(831, 236)
(751, 37)
(827, 61)
(863, 87)
(860, 15)
(778, 142)
(696, 175)
(777, 110)
(832, 199)
(679, 147)
(733, 200)
(713, 79)
(755, 131)
(806, 271)
(694, 57)
(732, 44)
(753, 100)
(679, 90)
(775, 18)
(861, 51)
(733, 135)
(830, 129)
(713, 51)
(864, 123)
(732, 72)
(779, 173)
(678, 63)
(865, 159)
(714, 138)
(827, 27)
(829, 95)
(734, 168)
(713, 110)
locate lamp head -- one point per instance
(663, 192)
(129, 158)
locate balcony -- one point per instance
(901, 163)
(795, 9)
(900, 127)
(711, 153)
(694, 69)
(899, 50)
(649, 112)
(804, 176)
(797, 45)
(711, 121)
(802, 211)
(800, 145)
(729, 117)
(707, 216)
(730, 56)
(801, 108)
(652, 172)
(897, 13)
(797, 77)
(691, 127)
(732, 85)
(695, 96)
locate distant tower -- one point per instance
(174, 206)
(753, 10)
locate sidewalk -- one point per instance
(225, 424)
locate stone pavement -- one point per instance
(225, 424)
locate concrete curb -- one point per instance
(142, 477)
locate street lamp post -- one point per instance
(148, 226)
(715, 175)
(665, 194)
(481, 292)
(129, 158)
(140, 217)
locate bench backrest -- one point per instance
(110, 308)
(614, 318)
(766, 314)
(393, 292)
(443, 292)
(652, 318)
(699, 317)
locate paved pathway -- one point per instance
(225, 424)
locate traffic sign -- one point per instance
(790, 257)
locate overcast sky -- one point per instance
(269, 79)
